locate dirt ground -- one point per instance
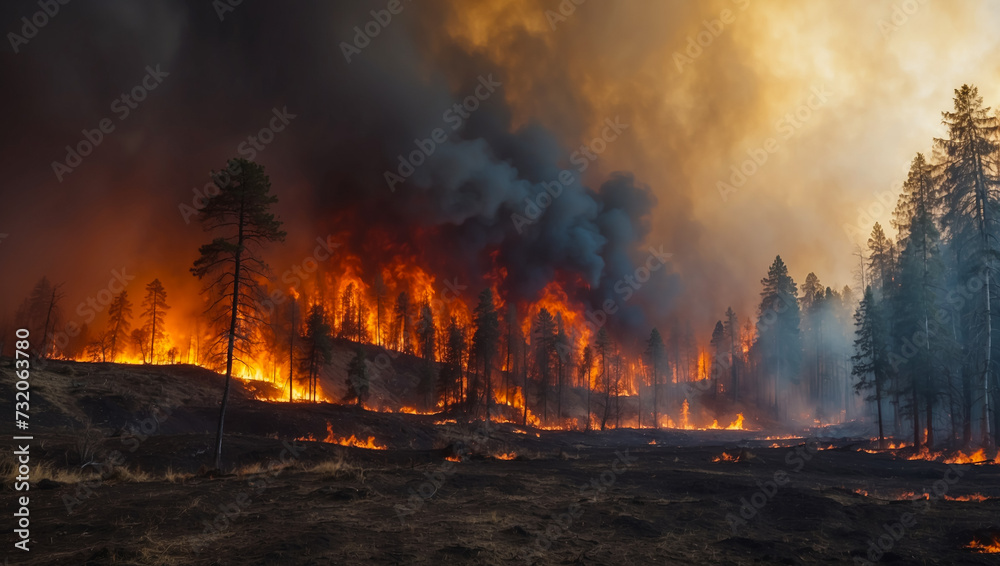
(617, 497)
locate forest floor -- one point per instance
(122, 452)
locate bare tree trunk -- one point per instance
(233, 320)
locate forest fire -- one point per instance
(332, 438)
(634, 264)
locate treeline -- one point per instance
(926, 345)
(41, 312)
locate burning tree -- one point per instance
(119, 322)
(485, 341)
(241, 212)
(543, 338)
(603, 352)
(427, 340)
(450, 379)
(656, 352)
(156, 306)
(316, 346)
(40, 312)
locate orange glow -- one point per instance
(726, 457)
(505, 456)
(332, 438)
(977, 457)
(453, 458)
(986, 546)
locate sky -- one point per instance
(733, 131)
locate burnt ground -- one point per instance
(567, 497)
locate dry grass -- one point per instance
(257, 468)
(337, 469)
(173, 476)
(126, 475)
(40, 471)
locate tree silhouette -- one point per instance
(119, 322)
(156, 306)
(241, 213)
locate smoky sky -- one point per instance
(654, 185)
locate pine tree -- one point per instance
(870, 359)
(719, 346)
(316, 347)
(656, 352)
(486, 340)
(119, 322)
(451, 370)
(881, 262)
(156, 307)
(586, 365)
(241, 212)
(603, 345)
(778, 337)
(918, 301)
(40, 314)
(357, 378)
(402, 322)
(969, 183)
(561, 348)
(427, 337)
(732, 327)
(543, 339)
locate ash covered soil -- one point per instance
(615, 497)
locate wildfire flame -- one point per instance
(726, 457)
(352, 440)
(985, 547)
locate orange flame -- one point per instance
(352, 440)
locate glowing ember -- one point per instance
(505, 456)
(726, 457)
(985, 547)
(971, 497)
(453, 458)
